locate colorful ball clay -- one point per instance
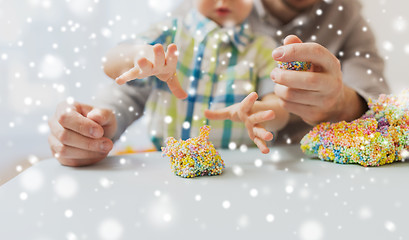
(194, 157)
(379, 137)
(294, 65)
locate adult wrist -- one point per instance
(353, 105)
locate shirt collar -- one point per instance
(201, 27)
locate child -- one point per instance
(219, 61)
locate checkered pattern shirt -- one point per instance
(217, 67)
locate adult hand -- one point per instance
(316, 95)
(163, 67)
(81, 134)
(252, 120)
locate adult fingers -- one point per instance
(290, 39)
(309, 52)
(71, 119)
(131, 74)
(159, 55)
(73, 139)
(300, 96)
(81, 108)
(312, 81)
(101, 116)
(310, 114)
(79, 162)
(106, 119)
(176, 88)
(71, 156)
(261, 144)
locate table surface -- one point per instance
(280, 195)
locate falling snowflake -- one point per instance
(32, 180)
(311, 230)
(237, 170)
(105, 182)
(161, 6)
(289, 189)
(198, 197)
(399, 24)
(110, 229)
(388, 46)
(232, 145)
(68, 213)
(390, 226)
(253, 192)
(365, 213)
(226, 204)
(23, 196)
(270, 218)
(51, 66)
(65, 186)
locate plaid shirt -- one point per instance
(217, 67)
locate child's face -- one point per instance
(225, 12)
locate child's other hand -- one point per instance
(252, 120)
(163, 67)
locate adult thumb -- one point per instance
(290, 39)
(106, 119)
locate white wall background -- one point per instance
(52, 50)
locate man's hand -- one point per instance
(81, 134)
(316, 95)
(163, 67)
(243, 112)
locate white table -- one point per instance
(281, 195)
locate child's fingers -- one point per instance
(159, 55)
(130, 75)
(147, 68)
(219, 114)
(262, 133)
(262, 116)
(248, 102)
(176, 88)
(249, 127)
(261, 144)
(245, 106)
(171, 58)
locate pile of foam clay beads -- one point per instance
(379, 137)
(195, 156)
(295, 65)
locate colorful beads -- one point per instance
(379, 137)
(295, 65)
(195, 156)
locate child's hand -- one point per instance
(252, 120)
(163, 67)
